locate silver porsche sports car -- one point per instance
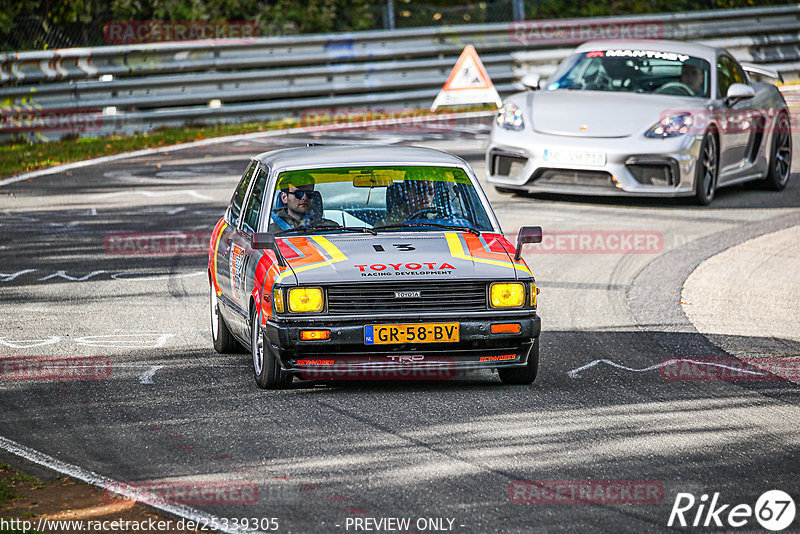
(642, 118)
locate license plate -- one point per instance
(377, 334)
(569, 157)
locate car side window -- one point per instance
(728, 73)
(238, 195)
(253, 208)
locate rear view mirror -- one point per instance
(527, 234)
(266, 241)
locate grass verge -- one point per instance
(22, 157)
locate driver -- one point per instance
(416, 196)
(693, 77)
(299, 208)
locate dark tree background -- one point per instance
(44, 24)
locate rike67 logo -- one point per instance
(774, 510)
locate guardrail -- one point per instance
(124, 89)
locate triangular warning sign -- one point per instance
(468, 83)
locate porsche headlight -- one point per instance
(306, 300)
(671, 126)
(510, 117)
(507, 295)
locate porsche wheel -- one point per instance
(266, 368)
(523, 375)
(780, 155)
(224, 343)
(705, 177)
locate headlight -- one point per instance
(510, 117)
(507, 295)
(671, 126)
(277, 301)
(306, 299)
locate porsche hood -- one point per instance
(602, 114)
(328, 259)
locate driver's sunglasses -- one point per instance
(300, 194)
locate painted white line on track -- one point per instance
(104, 482)
(576, 373)
(147, 376)
(243, 137)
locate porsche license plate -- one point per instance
(569, 157)
(377, 334)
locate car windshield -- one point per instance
(396, 198)
(635, 71)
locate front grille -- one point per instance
(571, 177)
(435, 296)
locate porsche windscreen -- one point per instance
(376, 199)
(634, 71)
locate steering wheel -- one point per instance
(665, 89)
(425, 214)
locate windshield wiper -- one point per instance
(437, 225)
(305, 229)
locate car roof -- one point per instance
(679, 47)
(344, 155)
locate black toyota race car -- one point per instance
(370, 262)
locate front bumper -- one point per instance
(529, 170)
(347, 355)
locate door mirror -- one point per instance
(738, 91)
(266, 241)
(527, 234)
(532, 82)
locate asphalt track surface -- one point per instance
(320, 453)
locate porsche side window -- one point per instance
(728, 72)
(253, 208)
(235, 208)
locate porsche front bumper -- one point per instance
(625, 166)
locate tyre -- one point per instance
(780, 155)
(705, 176)
(266, 367)
(224, 343)
(523, 375)
(505, 190)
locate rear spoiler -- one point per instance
(749, 68)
